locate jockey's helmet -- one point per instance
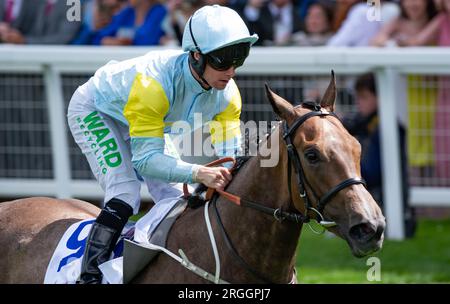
(219, 33)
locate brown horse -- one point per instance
(316, 176)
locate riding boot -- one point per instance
(102, 238)
(98, 249)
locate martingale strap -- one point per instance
(231, 248)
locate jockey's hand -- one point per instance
(214, 177)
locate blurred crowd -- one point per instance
(277, 22)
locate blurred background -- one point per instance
(391, 58)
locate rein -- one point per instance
(277, 213)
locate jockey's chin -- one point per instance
(218, 79)
(220, 84)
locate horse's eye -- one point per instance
(312, 156)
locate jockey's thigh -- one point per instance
(106, 145)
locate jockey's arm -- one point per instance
(145, 112)
(149, 160)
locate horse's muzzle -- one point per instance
(367, 237)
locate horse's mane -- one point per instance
(240, 162)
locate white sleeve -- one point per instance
(353, 29)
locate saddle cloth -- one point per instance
(65, 264)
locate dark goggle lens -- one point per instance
(223, 65)
(227, 57)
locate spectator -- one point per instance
(438, 30)
(342, 8)
(178, 13)
(48, 26)
(274, 21)
(140, 23)
(414, 16)
(356, 28)
(89, 9)
(97, 14)
(317, 26)
(438, 4)
(304, 5)
(364, 125)
(442, 122)
(229, 3)
(105, 10)
(421, 96)
(15, 16)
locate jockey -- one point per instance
(121, 118)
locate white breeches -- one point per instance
(106, 145)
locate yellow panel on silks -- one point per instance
(146, 107)
(226, 125)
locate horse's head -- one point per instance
(326, 159)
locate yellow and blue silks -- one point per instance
(152, 92)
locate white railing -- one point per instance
(388, 64)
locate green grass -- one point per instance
(134, 218)
(423, 259)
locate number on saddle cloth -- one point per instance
(74, 243)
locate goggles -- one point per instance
(227, 57)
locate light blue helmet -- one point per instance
(213, 27)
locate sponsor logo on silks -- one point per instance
(96, 132)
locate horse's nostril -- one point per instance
(380, 230)
(363, 232)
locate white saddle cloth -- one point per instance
(147, 224)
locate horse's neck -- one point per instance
(266, 244)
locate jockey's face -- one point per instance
(216, 79)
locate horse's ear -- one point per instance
(280, 106)
(329, 97)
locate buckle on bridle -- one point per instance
(277, 216)
(322, 222)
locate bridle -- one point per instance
(279, 214)
(294, 159)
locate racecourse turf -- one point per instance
(422, 259)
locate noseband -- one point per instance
(294, 159)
